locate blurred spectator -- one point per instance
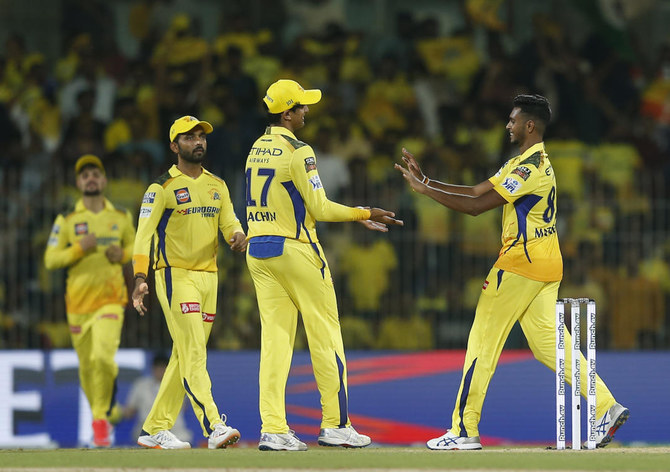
(90, 76)
(454, 57)
(428, 78)
(367, 264)
(634, 324)
(141, 398)
(83, 133)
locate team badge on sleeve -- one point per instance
(511, 185)
(310, 164)
(149, 197)
(316, 182)
(522, 171)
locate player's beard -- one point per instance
(192, 156)
(92, 192)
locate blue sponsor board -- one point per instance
(397, 398)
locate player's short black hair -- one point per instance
(275, 118)
(535, 106)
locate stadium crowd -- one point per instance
(441, 92)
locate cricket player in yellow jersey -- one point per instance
(93, 241)
(285, 198)
(183, 212)
(523, 283)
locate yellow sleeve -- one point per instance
(60, 253)
(228, 222)
(128, 239)
(497, 178)
(151, 211)
(520, 180)
(313, 194)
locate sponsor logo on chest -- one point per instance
(182, 195)
(80, 228)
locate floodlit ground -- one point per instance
(372, 459)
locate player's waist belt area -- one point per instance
(264, 247)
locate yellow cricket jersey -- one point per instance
(285, 196)
(184, 214)
(92, 281)
(530, 242)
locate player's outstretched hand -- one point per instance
(415, 183)
(384, 217)
(141, 289)
(374, 226)
(238, 242)
(412, 165)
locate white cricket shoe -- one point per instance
(608, 424)
(449, 441)
(281, 442)
(161, 440)
(222, 435)
(345, 437)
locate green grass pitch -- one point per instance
(318, 458)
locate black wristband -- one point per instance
(140, 276)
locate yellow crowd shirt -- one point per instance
(285, 196)
(92, 280)
(529, 240)
(183, 216)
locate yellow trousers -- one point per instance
(505, 299)
(298, 280)
(95, 338)
(188, 299)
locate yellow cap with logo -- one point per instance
(284, 94)
(186, 124)
(88, 160)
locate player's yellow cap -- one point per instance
(88, 160)
(187, 123)
(284, 94)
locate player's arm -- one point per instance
(229, 224)
(470, 191)
(128, 238)
(60, 253)
(151, 211)
(472, 205)
(306, 179)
